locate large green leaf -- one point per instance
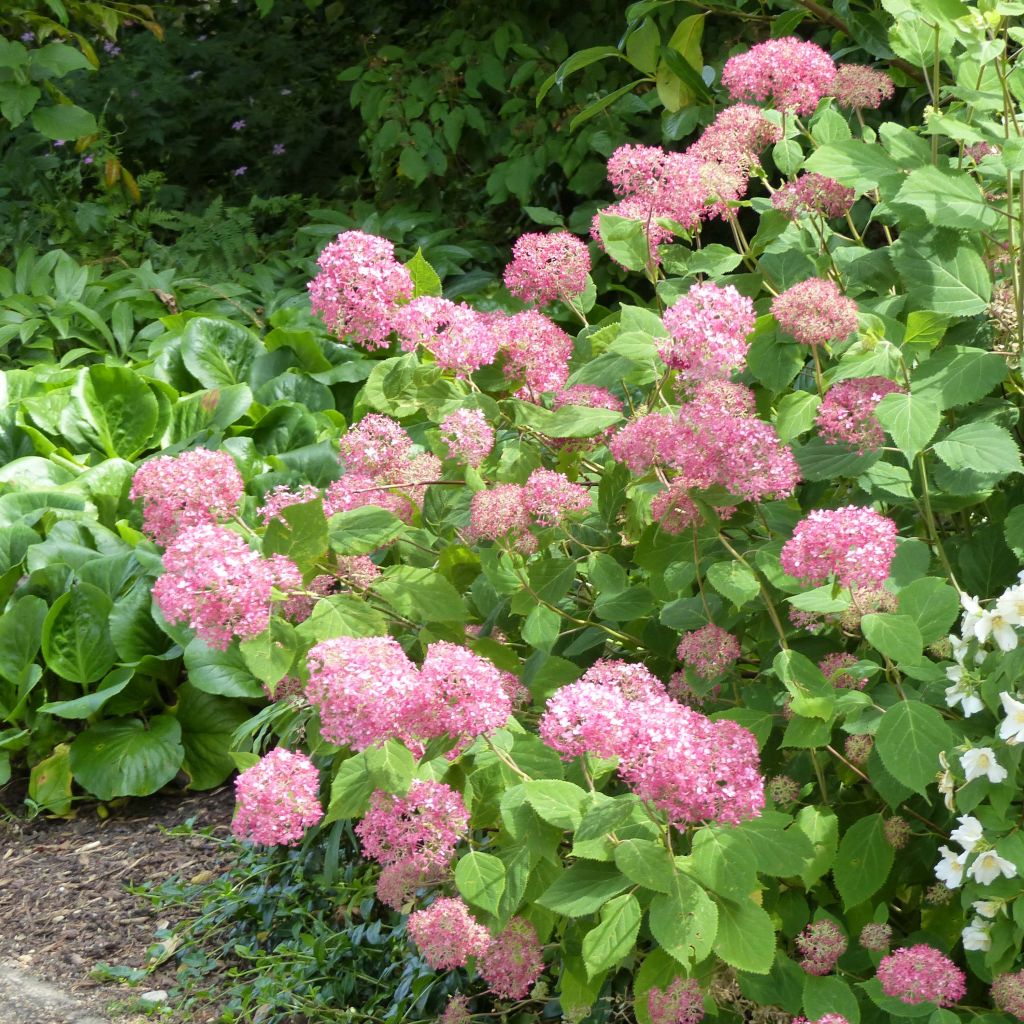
(854, 163)
(824, 995)
(910, 737)
(207, 723)
(863, 861)
(421, 594)
(127, 757)
(20, 633)
(556, 802)
(480, 878)
(942, 272)
(76, 635)
(63, 121)
(957, 375)
(684, 921)
(610, 941)
(85, 707)
(299, 532)
(583, 888)
(218, 353)
(933, 605)
(895, 636)
(910, 419)
(980, 447)
(363, 530)
(119, 406)
(953, 200)
(746, 936)
(223, 673)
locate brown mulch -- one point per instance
(64, 902)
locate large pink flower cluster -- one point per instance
(847, 412)
(359, 288)
(921, 974)
(708, 651)
(217, 584)
(815, 312)
(550, 496)
(681, 1002)
(737, 137)
(855, 544)
(813, 193)
(794, 74)
(534, 351)
(513, 961)
(548, 267)
(708, 329)
(468, 435)
(196, 488)
(663, 184)
(375, 446)
(456, 335)
(447, 934)
(278, 799)
(691, 768)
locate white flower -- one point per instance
(950, 870)
(947, 784)
(968, 835)
(961, 692)
(972, 612)
(981, 761)
(986, 908)
(1011, 606)
(976, 936)
(992, 624)
(1011, 728)
(988, 866)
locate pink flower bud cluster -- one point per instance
(860, 87)
(359, 288)
(468, 435)
(708, 329)
(815, 312)
(513, 961)
(456, 335)
(834, 668)
(534, 351)
(196, 488)
(368, 691)
(820, 944)
(921, 974)
(278, 798)
(828, 1018)
(219, 586)
(813, 194)
(1008, 993)
(708, 651)
(548, 267)
(794, 74)
(511, 510)
(855, 544)
(447, 934)
(847, 413)
(688, 766)
(876, 937)
(681, 1002)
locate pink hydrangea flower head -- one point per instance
(674, 510)
(813, 194)
(196, 488)
(535, 351)
(459, 338)
(855, 544)
(363, 688)
(460, 694)
(421, 828)
(359, 287)
(398, 882)
(468, 435)
(284, 497)
(217, 584)
(876, 937)
(513, 961)
(645, 441)
(708, 326)
(590, 396)
(708, 651)
(794, 74)
(815, 312)
(724, 186)
(278, 799)
(358, 571)
(498, 512)
(834, 668)
(658, 184)
(548, 267)
(549, 497)
(847, 413)
(681, 1002)
(377, 446)
(1008, 993)
(447, 934)
(353, 490)
(737, 137)
(456, 1011)
(979, 150)
(821, 944)
(921, 974)
(633, 681)
(679, 689)
(860, 87)
(828, 1018)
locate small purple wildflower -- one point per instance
(237, 126)
(57, 143)
(240, 171)
(278, 149)
(86, 159)
(28, 37)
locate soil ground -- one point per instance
(64, 903)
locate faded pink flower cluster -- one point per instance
(860, 87)
(691, 768)
(196, 488)
(1008, 993)
(548, 267)
(511, 510)
(456, 335)
(876, 937)
(834, 668)
(794, 74)
(847, 413)
(217, 584)
(855, 544)
(813, 193)
(447, 934)
(708, 651)
(921, 974)
(820, 944)
(708, 329)
(359, 288)
(534, 351)
(278, 798)
(468, 435)
(681, 1002)
(815, 312)
(513, 961)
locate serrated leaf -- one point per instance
(863, 861)
(614, 938)
(911, 421)
(910, 737)
(480, 878)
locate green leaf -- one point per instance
(813, 695)
(684, 921)
(933, 605)
(942, 272)
(796, 414)
(207, 724)
(218, 353)
(642, 46)
(577, 62)
(613, 939)
(480, 878)
(342, 615)
(603, 103)
(624, 240)
(583, 888)
(746, 936)
(910, 737)
(223, 673)
(420, 594)
(132, 629)
(854, 163)
(85, 707)
(20, 631)
(363, 530)
(863, 861)
(391, 766)
(17, 101)
(541, 628)
(569, 421)
(126, 757)
(270, 655)
(299, 532)
(981, 447)
(647, 863)
(958, 375)
(911, 421)
(734, 581)
(821, 827)
(49, 783)
(63, 121)
(76, 635)
(556, 802)
(777, 851)
(119, 406)
(424, 278)
(953, 200)
(351, 789)
(724, 862)
(829, 995)
(59, 59)
(895, 636)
